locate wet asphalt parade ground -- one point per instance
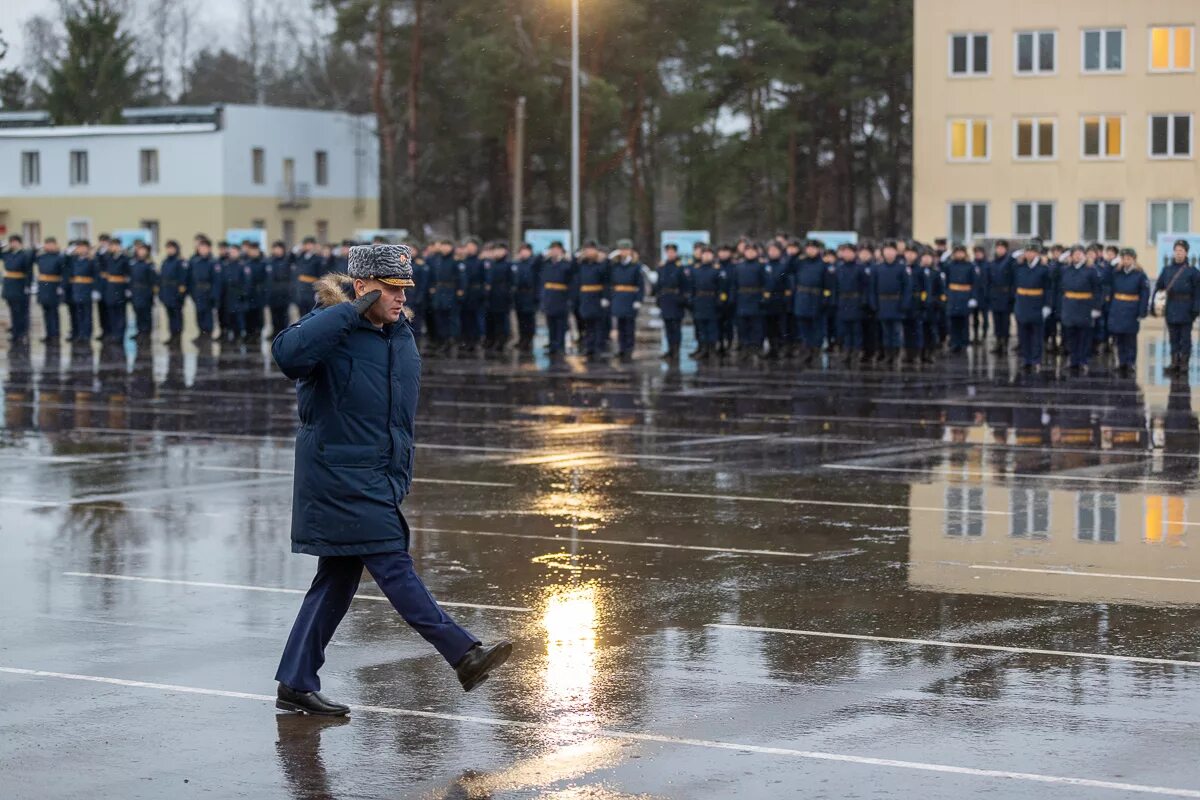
(722, 581)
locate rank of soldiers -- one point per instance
(869, 305)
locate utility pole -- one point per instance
(575, 213)
(518, 178)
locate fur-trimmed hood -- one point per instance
(337, 287)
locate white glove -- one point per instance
(1045, 312)
(636, 305)
(604, 304)
(972, 303)
(1095, 313)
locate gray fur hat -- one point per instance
(387, 263)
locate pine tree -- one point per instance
(98, 76)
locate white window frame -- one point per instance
(32, 176)
(1037, 121)
(1170, 203)
(1034, 206)
(1104, 118)
(1037, 71)
(968, 159)
(1102, 232)
(1103, 51)
(31, 232)
(321, 168)
(71, 173)
(1170, 154)
(969, 234)
(1170, 52)
(970, 73)
(148, 167)
(86, 222)
(258, 166)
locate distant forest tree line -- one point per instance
(735, 116)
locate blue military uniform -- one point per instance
(810, 282)
(417, 298)
(1079, 303)
(1106, 271)
(173, 286)
(709, 292)
(852, 294)
(672, 290)
(18, 275)
(51, 268)
(892, 290)
(726, 308)
(84, 272)
(748, 287)
(777, 307)
(592, 281)
(279, 287)
(1054, 268)
(256, 297)
(555, 296)
(203, 277)
(143, 286)
(309, 268)
(1181, 282)
(1032, 285)
(498, 279)
(449, 286)
(933, 278)
(914, 321)
(628, 292)
(1129, 305)
(234, 288)
(526, 283)
(116, 296)
(961, 296)
(472, 309)
(999, 286)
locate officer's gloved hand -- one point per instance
(1095, 313)
(972, 303)
(1045, 312)
(366, 301)
(604, 304)
(636, 306)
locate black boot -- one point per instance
(288, 699)
(474, 668)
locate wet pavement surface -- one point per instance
(721, 581)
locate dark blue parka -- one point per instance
(143, 282)
(810, 281)
(1130, 300)
(709, 291)
(357, 389)
(1032, 287)
(1079, 295)
(50, 269)
(173, 281)
(853, 288)
(1183, 296)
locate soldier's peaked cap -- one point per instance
(386, 263)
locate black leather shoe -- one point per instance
(479, 662)
(288, 699)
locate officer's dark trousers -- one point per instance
(849, 334)
(1126, 349)
(279, 318)
(725, 328)
(254, 321)
(447, 323)
(707, 330)
(673, 331)
(1181, 340)
(329, 598)
(116, 320)
(81, 321)
(469, 326)
(626, 329)
(812, 330)
(1000, 322)
(174, 319)
(913, 338)
(959, 332)
(19, 314)
(527, 326)
(595, 335)
(50, 316)
(102, 318)
(870, 333)
(1030, 336)
(750, 332)
(498, 330)
(556, 330)
(1078, 339)
(891, 333)
(204, 317)
(144, 316)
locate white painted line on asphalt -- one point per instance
(589, 540)
(20, 501)
(447, 481)
(544, 453)
(955, 473)
(791, 501)
(960, 645)
(634, 736)
(273, 589)
(186, 489)
(1077, 574)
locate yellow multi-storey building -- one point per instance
(1072, 120)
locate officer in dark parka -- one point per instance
(357, 374)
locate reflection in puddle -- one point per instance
(570, 623)
(571, 562)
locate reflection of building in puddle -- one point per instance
(1075, 545)
(569, 506)
(570, 624)
(571, 562)
(567, 763)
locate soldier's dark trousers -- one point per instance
(526, 327)
(19, 315)
(673, 331)
(1078, 339)
(102, 318)
(595, 335)
(175, 320)
(204, 318)
(144, 316)
(750, 332)
(447, 324)
(849, 334)
(329, 598)
(891, 334)
(498, 331)
(626, 331)
(870, 334)
(1181, 340)
(81, 321)
(1000, 322)
(1030, 336)
(279, 318)
(1126, 349)
(707, 331)
(812, 330)
(50, 316)
(469, 327)
(116, 320)
(959, 333)
(725, 329)
(913, 339)
(556, 330)
(254, 322)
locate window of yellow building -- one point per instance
(1034, 138)
(969, 139)
(1103, 136)
(1171, 48)
(1170, 135)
